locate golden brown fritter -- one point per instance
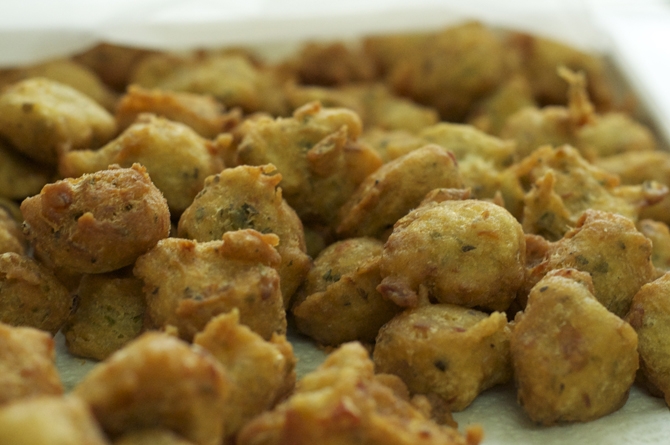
(158, 381)
(114, 64)
(470, 253)
(391, 144)
(152, 436)
(659, 234)
(11, 236)
(339, 301)
(332, 64)
(649, 315)
(98, 222)
(30, 294)
(175, 156)
(202, 113)
(49, 420)
(109, 313)
(394, 189)
(609, 247)
(20, 176)
(563, 185)
(187, 283)
(261, 372)
(452, 70)
(451, 351)
(573, 360)
(27, 367)
(42, 119)
(317, 155)
(342, 403)
(247, 197)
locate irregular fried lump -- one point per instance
(395, 188)
(332, 64)
(43, 118)
(249, 197)
(96, 223)
(391, 144)
(20, 176)
(659, 235)
(564, 185)
(609, 247)
(649, 315)
(447, 350)
(27, 367)
(339, 301)
(158, 381)
(151, 437)
(187, 283)
(573, 360)
(11, 237)
(470, 253)
(342, 403)
(112, 63)
(30, 294)
(109, 314)
(202, 113)
(175, 156)
(49, 420)
(261, 372)
(452, 70)
(316, 153)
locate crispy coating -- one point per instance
(609, 247)
(374, 103)
(98, 222)
(649, 315)
(391, 144)
(114, 64)
(27, 367)
(158, 381)
(470, 253)
(151, 437)
(394, 189)
(109, 313)
(202, 113)
(20, 176)
(332, 64)
(317, 155)
(11, 237)
(563, 185)
(30, 294)
(573, 360)
(247, 197)
(339, 301)
(175, 156)
(614, 133)
(342, 403)
(261, 372)
(187, 283)
(447, 350)
(49, 420)
(42, 119)
(659, 234)
(452, 70)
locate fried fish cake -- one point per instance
(187, 283)
(20, 176)
(247, 197)
(470, 253)
(98, 222)
(573, 360)
(649, 315)
(202, 113)
(42, 119)
(342, 403)
(109, 314)
(31, 295)
(394, 189)
(447, 350)
(339, 301)
(175, 156)
(27, 364)
(317, 155)
(261, 372)
(158, 381)
(49, 420)
(611, 250)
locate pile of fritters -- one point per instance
(446, 211)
